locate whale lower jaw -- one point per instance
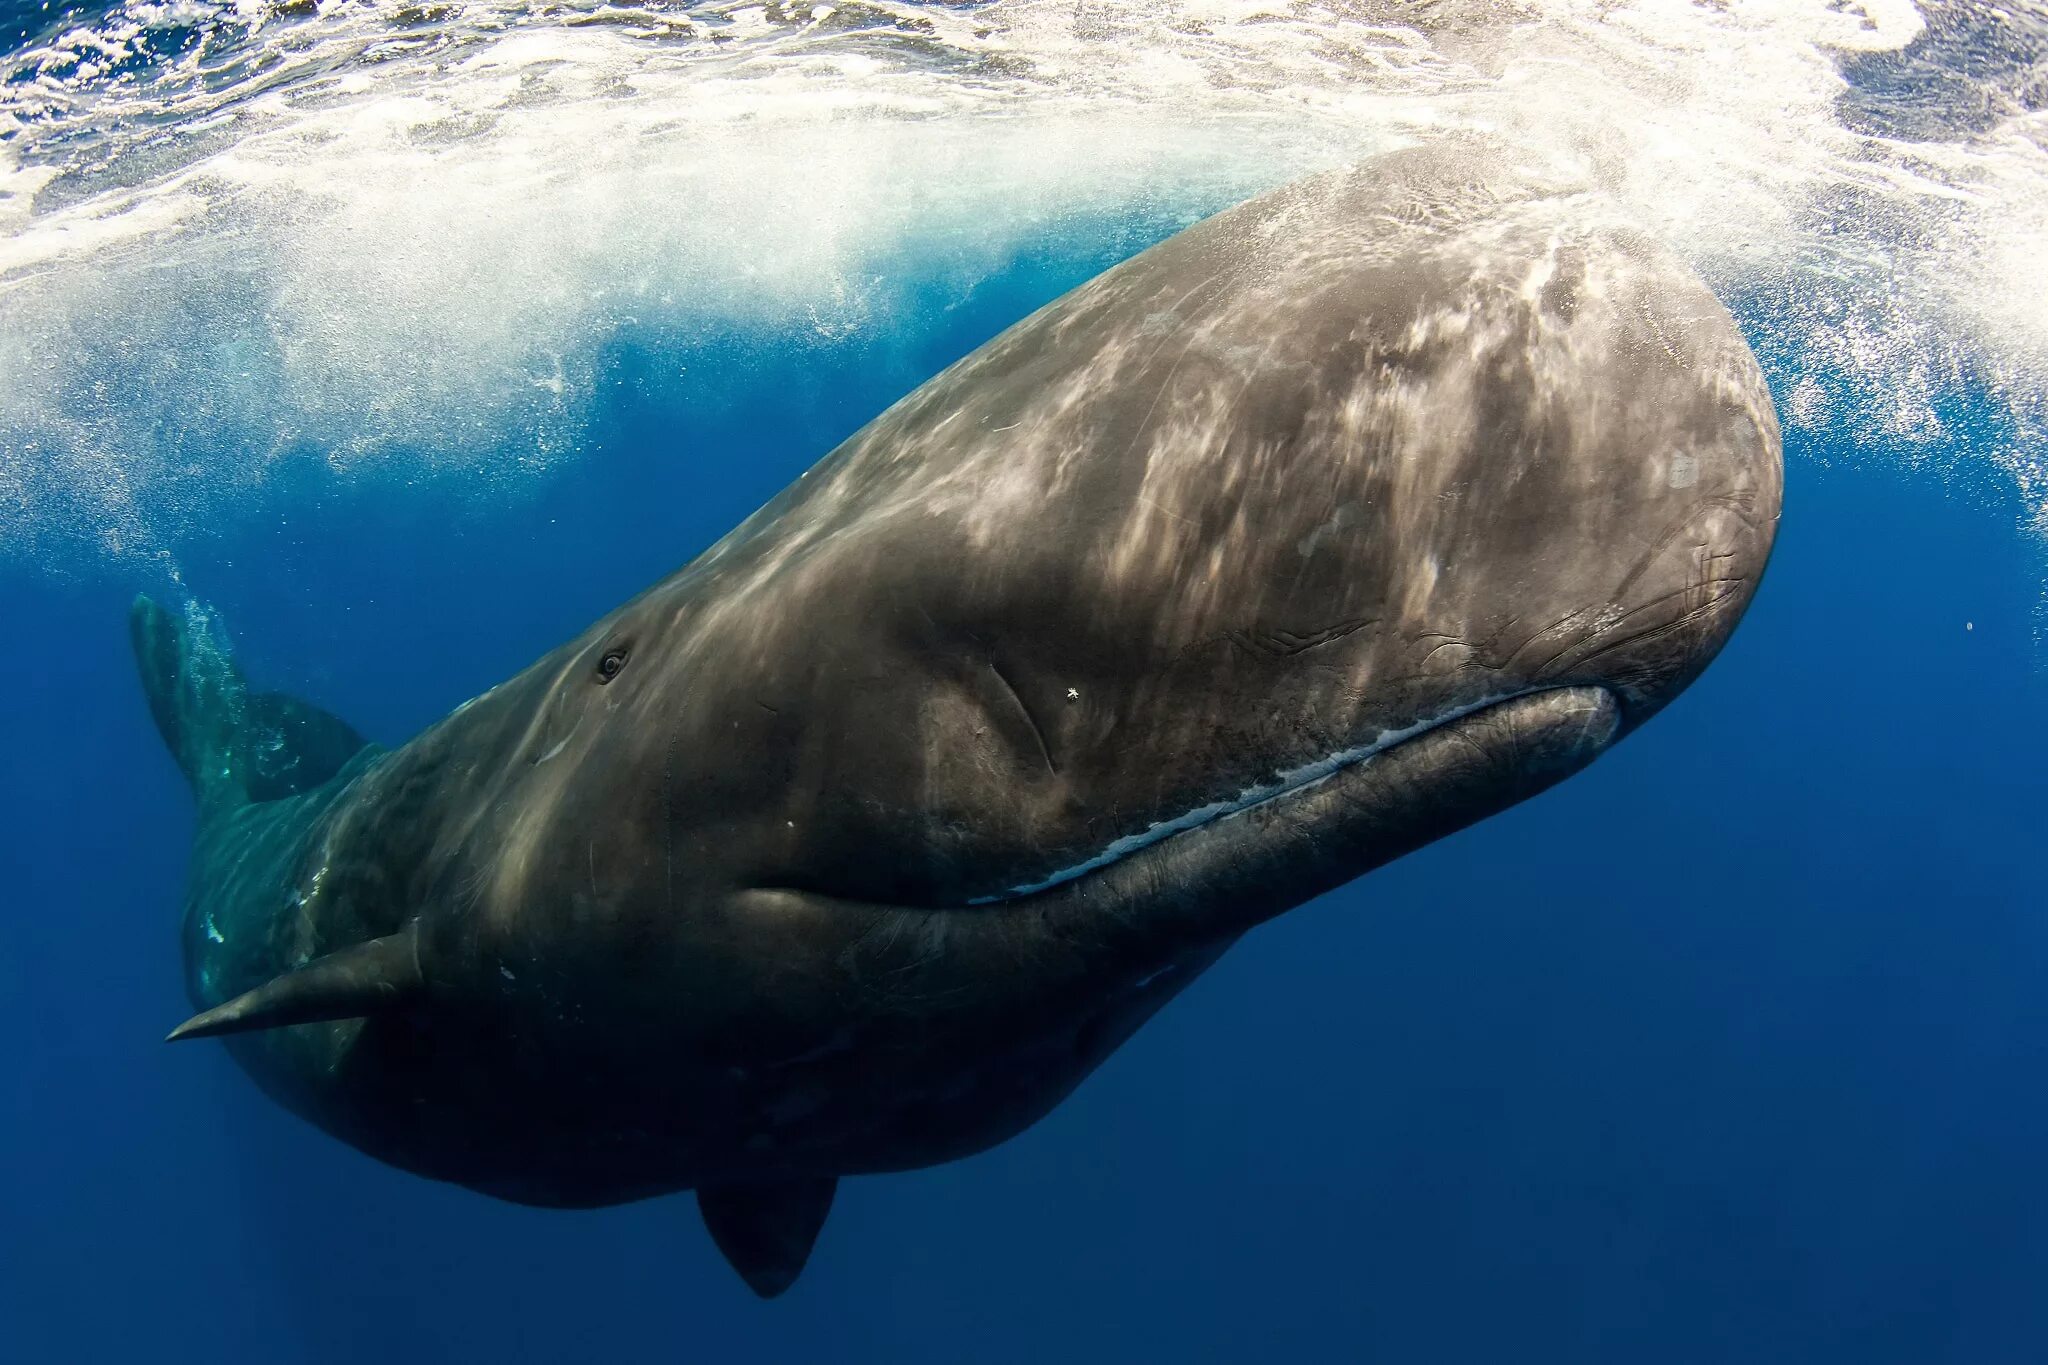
(1276, 847)
(1285, 785)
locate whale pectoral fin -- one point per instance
(766, 1228)
(353, 983)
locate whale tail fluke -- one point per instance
(233, 745)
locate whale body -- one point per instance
(1336, 522)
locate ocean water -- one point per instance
(416, 336)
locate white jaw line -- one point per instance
(1287, 783)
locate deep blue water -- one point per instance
(1730, 1049)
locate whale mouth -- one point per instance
(1280, 788)
(1319, 825)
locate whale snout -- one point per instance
(1623, 562)
(1687, 573)
(1673, 609)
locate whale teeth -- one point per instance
(349, 984)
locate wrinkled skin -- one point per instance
(896, 811)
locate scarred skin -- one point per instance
(860, 841)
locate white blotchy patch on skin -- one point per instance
(1345, 515)
(1286, 784)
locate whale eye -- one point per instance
(611, 665)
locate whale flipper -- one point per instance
(233, 745)
(350, 984)
(766, 1228)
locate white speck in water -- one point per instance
(1969, 625)
(1073, 694)
(506, 972)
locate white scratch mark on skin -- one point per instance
(1164, 511)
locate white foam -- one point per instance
(403, 241)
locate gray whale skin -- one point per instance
(1335, 523)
